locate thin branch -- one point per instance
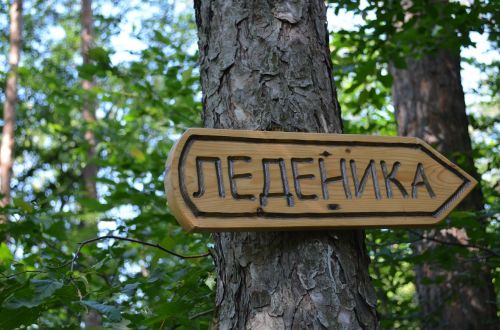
(36, 271)
(376, 245)
(23, 272)
(80, 296)
(162, 325)
(474, 246)
(155, 245)
(59, 266)
(200, 314)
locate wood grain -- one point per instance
(225, 180)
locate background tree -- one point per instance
(92, 319)
(10, 104)
(266, 67)
(88, 107)
(429, 103)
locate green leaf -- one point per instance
(87, 71)
(99, 55)
(5, 255)
(156, 275)
(122, 325)
(45, 288)
(160, 37)
(386, 80)
(109, 311)
(13, 319)
(36, 294)
(129, 289)
(100, 264)
(94, 205)
(138, 155)
(19, 202)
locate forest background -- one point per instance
(143, 91)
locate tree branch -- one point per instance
(23, 272)
(155, 245)
(192, 317)
(437, 240)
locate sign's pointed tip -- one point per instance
(466, 176)
(473, 182)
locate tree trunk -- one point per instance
(88, 109)
(92, 319)
(9, 109)
(429, 103)
(265, 65)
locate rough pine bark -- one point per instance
(265, 65)
(9, 108)
(429, 103)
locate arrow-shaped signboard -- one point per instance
(221, 180)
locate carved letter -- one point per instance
(233, 176)
(359, 187)
(420, 175)
(297, 177)
(267, 182)
(325, 181)
(201, 178)
(391, 177)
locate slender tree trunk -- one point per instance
(9, 109)
(88, 109)
(429, 103)
(265, 65)
(92, 319)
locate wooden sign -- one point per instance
(225, 180)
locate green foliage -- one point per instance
(145, 99)
(142, 105)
